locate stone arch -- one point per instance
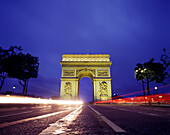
(94, 66)
(85, 73)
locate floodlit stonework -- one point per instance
(94, 66)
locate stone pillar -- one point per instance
(69, 89)
(102, 89)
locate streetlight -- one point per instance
(156, 89)
(13, 88)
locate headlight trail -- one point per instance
(28, 100)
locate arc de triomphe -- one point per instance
(94, 66)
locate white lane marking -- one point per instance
(116, 108)
(122, 109)
(139, 112)
(152, 114)
(135, 111)
(110, 123)
(29, 119)
(15, 114)
(148, 113)
(95, 111)
(61, 125)
(149, 109)
(159, 110)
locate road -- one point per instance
(138, 120)
(31, 119)
(84, 119)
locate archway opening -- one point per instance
(86, 89)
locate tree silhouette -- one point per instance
(23, 67)
(166, 62)
(5, 56)
(3, 72)
(150, 71)
(139, 75)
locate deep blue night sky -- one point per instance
(131, 31)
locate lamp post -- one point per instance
(141, 72)
(156, 89)
(13, 88)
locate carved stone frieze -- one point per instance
(86, 57)
(102, 73)
(68, 72)
(64, 65)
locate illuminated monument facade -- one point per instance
(94, 66)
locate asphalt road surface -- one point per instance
(84, 119)
(138, 120)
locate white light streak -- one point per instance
(28, 100)
(61, 126)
